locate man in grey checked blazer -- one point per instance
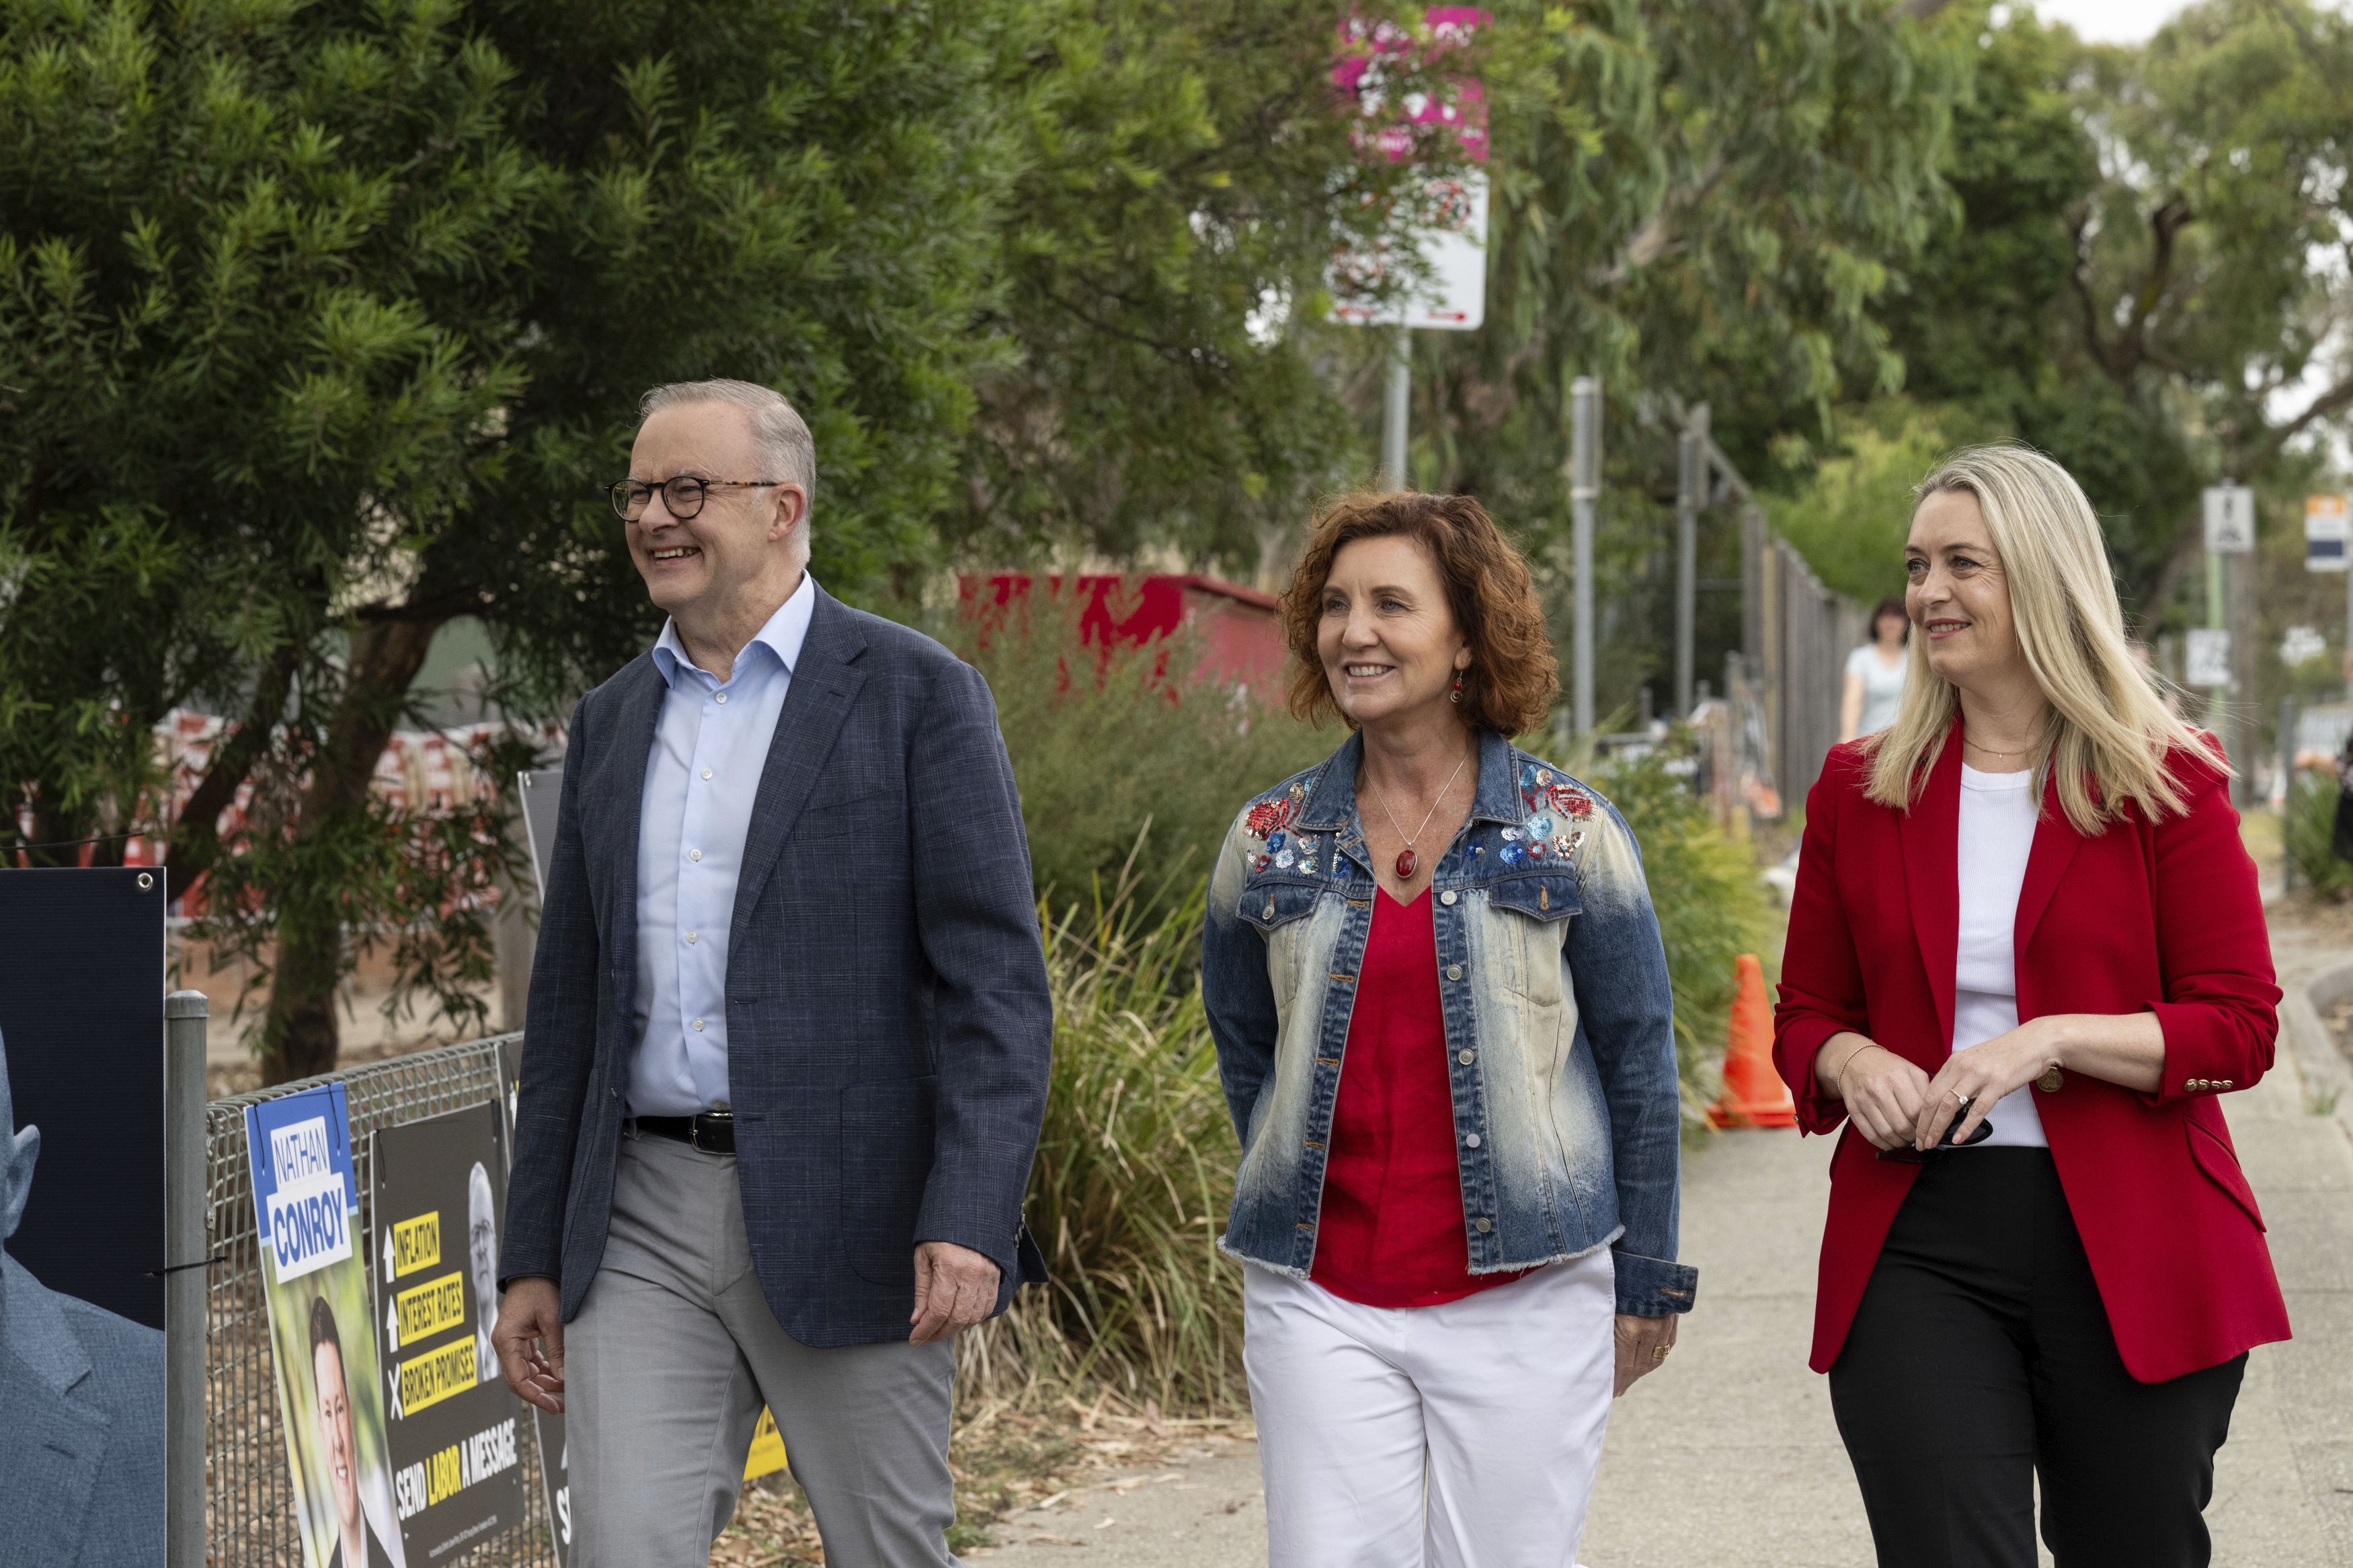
(788, 1037)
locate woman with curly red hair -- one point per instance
(1446, 1036)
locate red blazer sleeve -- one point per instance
(1822, 978)
(2219, 1009)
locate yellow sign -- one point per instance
(424, 1310)
(767, 1448)
(447, 1476)
(417, 1243)
(428, 1380)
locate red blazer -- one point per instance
(2159, 915)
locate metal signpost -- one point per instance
(2230, 519)
(1452, 252)
(2328, 533)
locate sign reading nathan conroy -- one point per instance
(441, 1197)
(306, 1208)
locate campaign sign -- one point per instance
(441, 1197)
(81, 1215)
(547, 1429)
(314, 1278)
(81, 1011)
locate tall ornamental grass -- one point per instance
(1104, 740)
(1133, 1176)
(2308, 824)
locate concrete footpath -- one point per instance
(1729, 1454)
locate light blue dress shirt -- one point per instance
(710, 746)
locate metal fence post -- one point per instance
(1584, 490)
(186, 1018)
(1691, 483)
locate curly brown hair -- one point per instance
(1512, 677)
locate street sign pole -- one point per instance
(1584, 490)
(2230, 519)
(1397, 410)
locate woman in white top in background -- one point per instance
(1875, 673)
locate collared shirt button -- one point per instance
(1466, 1057)
(1470, 1140)
(690, 938)
(1485, 1226)
(721, 696)
(698, 1026)
(694, 854)
(1453, 972)
(706, 772)
(1447, 897)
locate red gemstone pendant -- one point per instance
(1405, 864)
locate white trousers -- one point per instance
(1459, 1436)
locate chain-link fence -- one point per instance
(250, 1516)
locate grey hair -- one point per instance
(786, 448)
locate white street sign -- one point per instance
(2325, 530)
(2230, 519)
(2300, 643)
(2209, 657)
(1453, 296)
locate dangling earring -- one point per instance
(1456, 695)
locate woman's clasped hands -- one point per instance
(1891, 1102)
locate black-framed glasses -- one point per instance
(683, 494)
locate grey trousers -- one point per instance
(666, 1366)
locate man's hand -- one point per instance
(955, 1288)
(1642, 1344)
(529, 1338)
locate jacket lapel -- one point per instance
(1932, 885)
(2055, 843)
(815, 706)
(634, 722)
(51, 1443)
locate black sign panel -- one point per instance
(452, 1426)
(82, 1020)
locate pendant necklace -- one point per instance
(1405, 860)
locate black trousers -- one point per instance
(1981, 1358)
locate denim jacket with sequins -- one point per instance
(1559, 1023)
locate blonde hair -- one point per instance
(2107, 739)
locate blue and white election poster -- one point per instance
(314, 1275)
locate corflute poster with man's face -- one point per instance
(314, 1275)
(441, 1197)
(82, 1254)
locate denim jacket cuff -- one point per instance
(1653, 1286)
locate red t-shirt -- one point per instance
(1391, 1231)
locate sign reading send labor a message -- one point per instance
(441, 1197)
(314, 1278)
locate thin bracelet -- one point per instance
(1838, 1078)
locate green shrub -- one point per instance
(1712, 906)
(2310, 824)
(1134, 1177)
(1105, 746)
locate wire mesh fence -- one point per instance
(251, 1520)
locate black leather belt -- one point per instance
(712, 1132)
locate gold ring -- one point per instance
(1661, 1353)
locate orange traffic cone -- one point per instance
(1754, 1094)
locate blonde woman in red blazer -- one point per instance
(2024, 907)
